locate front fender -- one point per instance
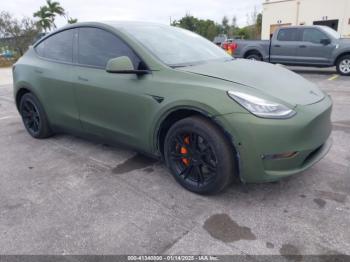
(173, 107)
(340, 52)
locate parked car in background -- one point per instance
(229, 46)
(212, 118)
(7, 54)
(218, 40)
(228, 41)
(317, 46)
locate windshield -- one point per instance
(331, 32)
(175, 46)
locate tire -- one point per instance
(34, 117)
(199, 156)
(254, 56)
(343, 65)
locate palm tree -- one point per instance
(71, 20)
(45, 18)
(55, 8)
(47, 14)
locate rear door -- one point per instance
(284, 46)
(311, 50)
(53, 71)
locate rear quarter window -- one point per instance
(57, 47)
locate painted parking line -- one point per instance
(7, 117)
(6, 98)
(333, 77)
(341, 125)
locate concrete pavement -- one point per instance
(65, 195)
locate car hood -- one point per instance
(272, 80)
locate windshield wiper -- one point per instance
(176, 66)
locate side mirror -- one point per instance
(325, 41)
(123, 65)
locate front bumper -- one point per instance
(307, 133)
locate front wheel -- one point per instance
(343, 65)
(199, 156)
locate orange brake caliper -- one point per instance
(184, 151)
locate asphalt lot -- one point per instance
(65, 195)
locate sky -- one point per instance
(160, 11)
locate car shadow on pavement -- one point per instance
(316, 71)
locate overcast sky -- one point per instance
(141, 10)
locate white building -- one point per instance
(333, 13)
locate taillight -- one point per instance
(233, 46)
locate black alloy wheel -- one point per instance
(199, 156)
(34, 117)
(193, 158)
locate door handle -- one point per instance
(38, 71)
(276, 46)
(302, 46)
(83, 79)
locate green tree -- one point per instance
(21, 33)
(212, 31)
(206, 28)
(225, 25)
(259, 25)
(234, 21)
(233, 28)
(187, 22)
(55, 8)
(47, 14)
(254, 22)
(243, 33)
(209, 29)
(71, 20)
(45, 18)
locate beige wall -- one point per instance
(286, 11)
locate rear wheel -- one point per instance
(343, 65)
(199, 155)
(254, 56)
(34, 117)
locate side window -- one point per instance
(290, 34)
(57, 47)
(97, 46)
(313, 35)
(40, 49)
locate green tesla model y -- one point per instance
(174, 95)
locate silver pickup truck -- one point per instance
(317, 46)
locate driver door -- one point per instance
(112, 106)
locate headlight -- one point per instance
(261, 107)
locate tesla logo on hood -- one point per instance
(313, 93)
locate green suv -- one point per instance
(172, 94)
